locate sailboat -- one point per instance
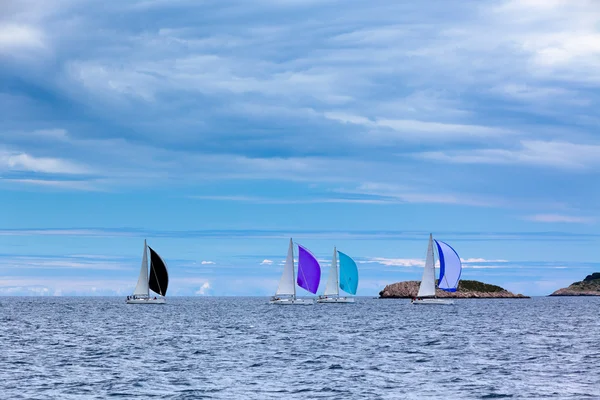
(450, 270)
(347, 280)
(309, 276)
(158, 281)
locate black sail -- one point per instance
(159, 277)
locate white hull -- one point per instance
(432, 302)
(336, 300)
(292, 302)
(158, 300)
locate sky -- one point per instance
(218, 129)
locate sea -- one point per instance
(244, 348)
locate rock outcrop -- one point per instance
(590, 286)
(466, 290)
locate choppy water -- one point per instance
(243, 348)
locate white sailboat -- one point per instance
(286, 291)
(450, 270)
(158, 281)
(350, 276)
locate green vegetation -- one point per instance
(476, 286)
(590, 283)
(592, 277)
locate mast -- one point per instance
(433, 256)
(293, 269)
(337, 277)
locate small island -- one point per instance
(590, 286)
(466, 290)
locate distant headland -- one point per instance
(466, 290)
(590, 286)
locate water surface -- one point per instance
(244, 348)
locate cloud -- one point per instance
(18, 161)
(217, 104)
(392, 193)
(550, 154)
(395, 262)
(474, 263)
(419, 130)
(558, 218)
(64, 262)
(207, 263)
(204, 289)
(15, 37)
(58, 184)
(481, 260)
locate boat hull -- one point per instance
(159, 300)
(292, 302)
(335, 300)
(432, 302)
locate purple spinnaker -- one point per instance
(309, 271)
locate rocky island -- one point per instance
(466, 290)
(590, 286)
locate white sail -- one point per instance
(427, 287)
(142, 289)
(286, 283)
(333, 288)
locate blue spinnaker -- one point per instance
(450, 267)
(348, 274)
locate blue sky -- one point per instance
(218, 129)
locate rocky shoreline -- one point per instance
(590, 286)
(466, 290)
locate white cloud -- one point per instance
(59, 184)
(392, 193)
(481, 260)
(533, 152)
(207, 262)
(418, 130)
(14, 37)
(66, 232)
(204, 289)
(19, 161)
(558, 218)
(395, 262)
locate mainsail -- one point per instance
(450, 267)
(141, 289)
(309, 271)
(286, 283)
(332, 287)
(427, 287)
(159, 277)
(348, 274)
